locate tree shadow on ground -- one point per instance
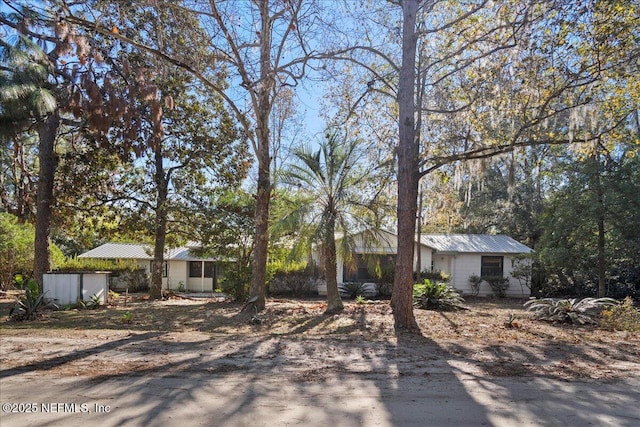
(352, 376)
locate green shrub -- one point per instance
(16, 249)
(498, 284)
(297, 283)
(475, 281)
(92, 264)
(430, 295)
(135, 280)
(385, 289)
(621, 317)
(235, 282)
(575, 310)
(279, 263)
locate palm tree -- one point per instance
(337, 191)
(24, 95)
(27, 103)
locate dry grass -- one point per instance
(486, 335)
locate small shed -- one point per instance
(67, 287)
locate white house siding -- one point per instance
(425, 260)
(200, 284)
(177, 274)
(470, 264)
(442, 263)
(465, 266)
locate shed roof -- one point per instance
(474, 243)
(140, 251)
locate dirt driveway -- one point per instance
(204, 362)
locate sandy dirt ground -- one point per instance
(202, 361)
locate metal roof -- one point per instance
(139, 251)
(474, 243)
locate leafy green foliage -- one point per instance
(621, 317)
(126, 317)
(596, 194)
(235, 281)
(224, 224)
(135, 280)
(574, 310)
(91, 264)
(430, 295)
(498, 284)
(299, 283)
(16, 249)
(26, 94)
(522, 271)
(282, 265)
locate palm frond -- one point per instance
(574, 310)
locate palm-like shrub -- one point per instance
(27, 307)
(353, 290)
(430, 295)
(334, 192)
(574, 310)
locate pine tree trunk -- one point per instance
(402, 296)
(155, 292)
(162, 185)
(600, 212)
(48, 164)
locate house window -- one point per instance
(195, 269)
(208, 269)
(492, 266)
(165, 268)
